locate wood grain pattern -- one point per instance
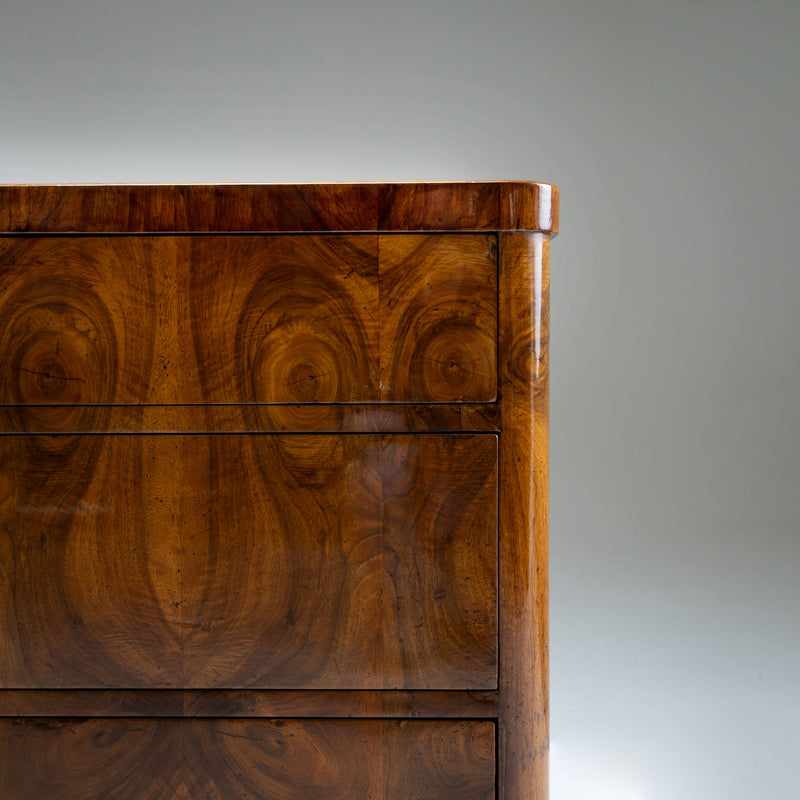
(248, 703)
(129, 320)
(158, 208)
(128, 759)
(439, 318)
(524, 207)
(342, 554)
(255, 513)
(439, 519)
(92, 703)
(88, 595)
(438, 206)
(282, 572)
(82, 322)
(291, 418)
(284, 318)
(246, 319)
(523, 469)
(249, 561)
(272, 208)
(431, 704)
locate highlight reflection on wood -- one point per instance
(523, 465)
(439, 318)
(327, 561)
(297, 418)
(119, 759)
(343, 207)
(274, 491)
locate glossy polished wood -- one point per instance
(247, 319)
(282, 562)
(273, 484)
(283, 319)
(89, 596)
(276, 207)
(439, 318)
(249, 703)
(292, 418)
(524, 413)
(85, 759)
(83, 322)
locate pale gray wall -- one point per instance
(672, 128)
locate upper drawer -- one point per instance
(248, 319)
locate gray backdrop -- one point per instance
(672, 130)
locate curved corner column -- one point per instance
(524, 311)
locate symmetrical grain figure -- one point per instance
(248, 319)
(285, 319)
(273, 491)
(283, 562)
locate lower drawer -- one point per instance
(85, 759)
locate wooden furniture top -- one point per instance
(279, 207)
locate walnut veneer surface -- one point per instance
(273, 491)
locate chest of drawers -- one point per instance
(273, 491)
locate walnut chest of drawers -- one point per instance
(273, 491)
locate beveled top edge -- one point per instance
(401, 206)
(279, 183)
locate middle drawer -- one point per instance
(249, 561)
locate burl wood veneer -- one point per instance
(273, 491)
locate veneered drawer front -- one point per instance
(284, 319)
(438, 310)
(249, 561)
(248, 319)
(181, 759)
